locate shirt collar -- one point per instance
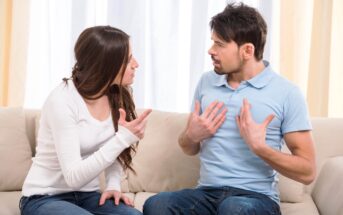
(259, 81)
(263, 78)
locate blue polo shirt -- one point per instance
(225, 158)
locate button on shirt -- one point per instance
(226, 159)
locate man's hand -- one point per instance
(205, 125)
(253, 134)
(137, 126)
(116, 196)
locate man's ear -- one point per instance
(248, 50)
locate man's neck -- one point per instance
(249, 70)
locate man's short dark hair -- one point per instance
(241, 24)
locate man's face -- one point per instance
(225, 56)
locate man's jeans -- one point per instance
(211, 200)
(78, 203)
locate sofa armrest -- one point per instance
(328, 190)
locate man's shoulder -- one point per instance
(283, 83)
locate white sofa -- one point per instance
(161, 165)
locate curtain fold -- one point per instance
(310, 53)
(14, 44)
(5, 41)
(320, 68)
(336, 61)
(295, 40)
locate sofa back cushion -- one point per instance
(159, 163)
(15, 151)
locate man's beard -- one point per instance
(233, 71)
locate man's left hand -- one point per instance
(253, 134)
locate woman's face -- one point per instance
(129, 72)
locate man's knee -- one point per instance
(157, 204)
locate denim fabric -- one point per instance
(80, 203)
(210, 201)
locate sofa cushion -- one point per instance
(327, 193)
(306, 207)
(15, 151)
(9, 203)
(290, 190)
(140, 199)
(160, 164)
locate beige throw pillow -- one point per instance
(15, 151)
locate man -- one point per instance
(242, 111)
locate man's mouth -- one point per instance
(215, 62)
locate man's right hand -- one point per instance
(203, 126)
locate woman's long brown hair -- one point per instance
(101, 53)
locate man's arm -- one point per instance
(299, 166)
(187, 145)
(200, 127)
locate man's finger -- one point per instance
(247, 109)
(268, 120)
(215, 110)
(197, 108)
(241, 115)
(245, 116)
(209, 109)
(219, 119)
(238, 121)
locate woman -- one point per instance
(88, 125)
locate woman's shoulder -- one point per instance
(62, 95)
(63, 91)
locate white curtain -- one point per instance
(170, 41)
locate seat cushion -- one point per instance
(140, 198)
(9, 203)
(306, 207)
(15, 150)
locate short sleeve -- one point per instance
(196, 96)
(296, 116)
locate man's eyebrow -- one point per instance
(218, 42)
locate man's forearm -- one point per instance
(292, 166)
(188, 146)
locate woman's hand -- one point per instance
(137, 126)
(116, 196)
